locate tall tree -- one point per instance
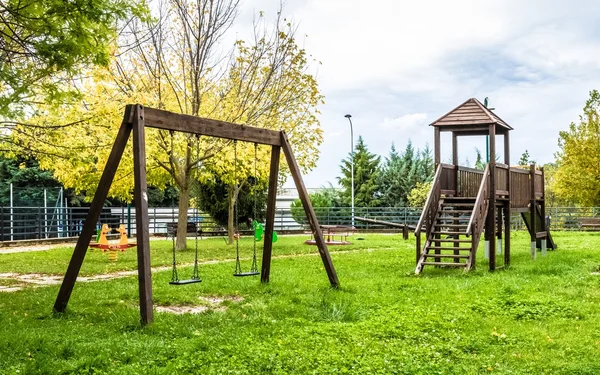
(525, 159)
(391, 180)
(174, 62)
(479, 162)
(578, 174)
(366, 175)
(401, 173)
(44, 43)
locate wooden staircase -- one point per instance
(448, 244)
(452, 224)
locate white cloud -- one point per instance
(396, 65)
(405, 123)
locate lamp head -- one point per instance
(348, 116)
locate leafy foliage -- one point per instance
(401, 173)
(578, 174)
(23, 174)
(326, 197)
(418, 195)
(45, 42)
(212, 199)
(366, 175)
(264, 82)
(526, 159)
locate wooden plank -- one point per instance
(270, 219)
(310, 212)
(436, 147)
(89, 226)
(140, 195)
(507, 207)
(543, 234)
(156, 118)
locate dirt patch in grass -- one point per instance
(210, 303)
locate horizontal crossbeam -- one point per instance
(160, 119)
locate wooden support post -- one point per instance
(499, 231)
(508, 204)
(140, 195)
(310, 212)
(543, 214)
(436, 146)
(532, 211)
(418, 252)
(455, 163)
(271, 200)
(492, 205)
(507, 235)
(89, 226)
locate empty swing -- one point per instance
(238, 267)
(196, 273)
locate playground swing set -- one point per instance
(136, 119)
(462, 203)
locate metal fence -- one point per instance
(20, 223)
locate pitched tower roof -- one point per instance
(470, 113)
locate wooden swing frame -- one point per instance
(135, 120)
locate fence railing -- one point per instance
(39, 223)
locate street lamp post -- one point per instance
(351, 163)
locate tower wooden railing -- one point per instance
(478, 216)
(502, 173)
(469, 180)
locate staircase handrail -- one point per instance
(430, 208)
(479, 209)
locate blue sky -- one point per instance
(396, 66)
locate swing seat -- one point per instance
(184, 282)
(242, 274)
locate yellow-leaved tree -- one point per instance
(577, 178)
(173, 62)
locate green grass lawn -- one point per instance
(538, 317)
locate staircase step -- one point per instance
(444, 264)
(451, 225)
(450, 233)
(459, 198)
(448, 248)
(443, 215)
(450, 240)
(458, 204)
(456, 256)
(456, 211)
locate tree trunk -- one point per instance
(182, 219)
(231, 197)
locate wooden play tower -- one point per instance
(464, 202)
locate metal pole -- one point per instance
(129, 219)
(66, 220)
(46, 213)
(11, 213)
(351, 163)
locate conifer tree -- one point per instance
(366, 176)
